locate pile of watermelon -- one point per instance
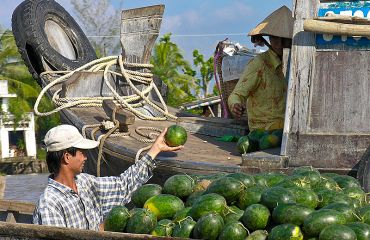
(305, 204)
(259, 139)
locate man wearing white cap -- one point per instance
(79, 200)
(261, 90)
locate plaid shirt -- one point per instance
(60, 206)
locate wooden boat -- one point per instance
(322, 128)
(15, 223)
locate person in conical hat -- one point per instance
(278, 26)
(261, 90)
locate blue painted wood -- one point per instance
(348, 8)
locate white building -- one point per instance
(26, 126)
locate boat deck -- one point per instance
(201, 153)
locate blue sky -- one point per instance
(218, 19)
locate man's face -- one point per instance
(77, 162)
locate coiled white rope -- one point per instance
(126, 101)
(104, 64)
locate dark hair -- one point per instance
(54, 159)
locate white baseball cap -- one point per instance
(66, 136)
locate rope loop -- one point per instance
(141, 74)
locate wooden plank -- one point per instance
(301, 64)
(17, 206)
(233, 66)
(341, 94)
(213, 126)
(318, 26)
(17, 230)
(328, 151)
(91, 84)
(123, 116)
(139, 30)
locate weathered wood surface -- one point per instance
(341, 93)
(327, 114)
(345, 29)
(29, 231)
(302, 61)
(113, 110)
(22, 207)
(216, 127)
(15, 211)
(139, 30)
(328, 151)
(233, 66)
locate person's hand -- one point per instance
(238, 110)
(160, 145)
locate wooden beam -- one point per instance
(16, 206)
(341, 29)
(30, 231)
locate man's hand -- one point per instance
(160, 145)
(238, 110)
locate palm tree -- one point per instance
(174, 70)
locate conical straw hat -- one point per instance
(279, 24)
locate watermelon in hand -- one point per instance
(175, 136)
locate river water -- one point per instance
(25, 187)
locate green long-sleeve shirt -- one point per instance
(263, 87)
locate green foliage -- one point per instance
(41, 154)
(174, 70)
(20, 82)
(206, 72)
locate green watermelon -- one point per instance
(142, 221)
(291, 213)
(233, 231)
(116, 219)
(275, 196)
(337, 231)
(227, 187)
(318, 220)
(233, 215)
(164, 228)
(244, 145)
(256, 217)
(347, 210)
(211, 202)
(184, 228)
(145, 192)
(246, 179)
(268, 141)
(256, 135)
(208, 226)
(181, 214)
(164, 205)
(175, 136)
(179, 185)
(285, 232)
(362, 230)
(249, 196)
(258, 235)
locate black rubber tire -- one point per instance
(28, 24)
(363, 173)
